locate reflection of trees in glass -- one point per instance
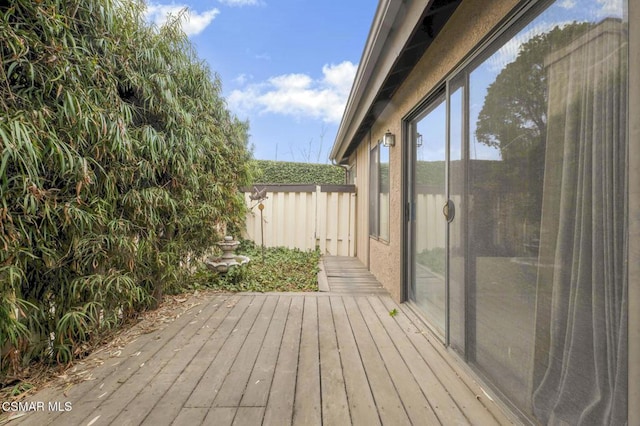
(513, 119)
(383, 195)
(384, 178)
(431, 173)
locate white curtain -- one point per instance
(580, 365)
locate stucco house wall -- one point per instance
(361, 160)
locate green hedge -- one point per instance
(268, 172)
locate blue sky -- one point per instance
(286, 65)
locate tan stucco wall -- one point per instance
(361, 157)
(385, 256)
(472, 21)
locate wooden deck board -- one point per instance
(413, 399)
(247, 416)
(190, 416)
(172, 377)
(219, 326)
(279, 409)
(234, 385)
(209, 385)
(388, 403)
(116, 384)
(333, 358)
(257, 391)
(219, 416)
(362, 406)
(445, 408)
(307, 409)
(467, 400)
(335, 406)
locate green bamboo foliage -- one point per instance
(118, 160)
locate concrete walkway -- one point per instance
(336, 358)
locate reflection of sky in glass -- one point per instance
(455, 136)
(560, 13)
(384, 154)
(433, 131)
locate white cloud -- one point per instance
(241, 2)
(299, 95)
(340, 76)
(567, 4)
(242, 79)
(192, 22)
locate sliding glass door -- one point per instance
(517, 213)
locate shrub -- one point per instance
(118, 160)
(270, 172)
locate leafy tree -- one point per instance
(118, 162)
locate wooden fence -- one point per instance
(304, 217)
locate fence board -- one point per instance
(296, 217)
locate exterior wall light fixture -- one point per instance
(389, 139)
(419, 140)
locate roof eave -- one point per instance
(394, 25)
(383, 23)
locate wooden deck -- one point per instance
(347, 275)
(335, 358)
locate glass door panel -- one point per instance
(429, 251)
(505, 185)
(547, 136)
(529, 280)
